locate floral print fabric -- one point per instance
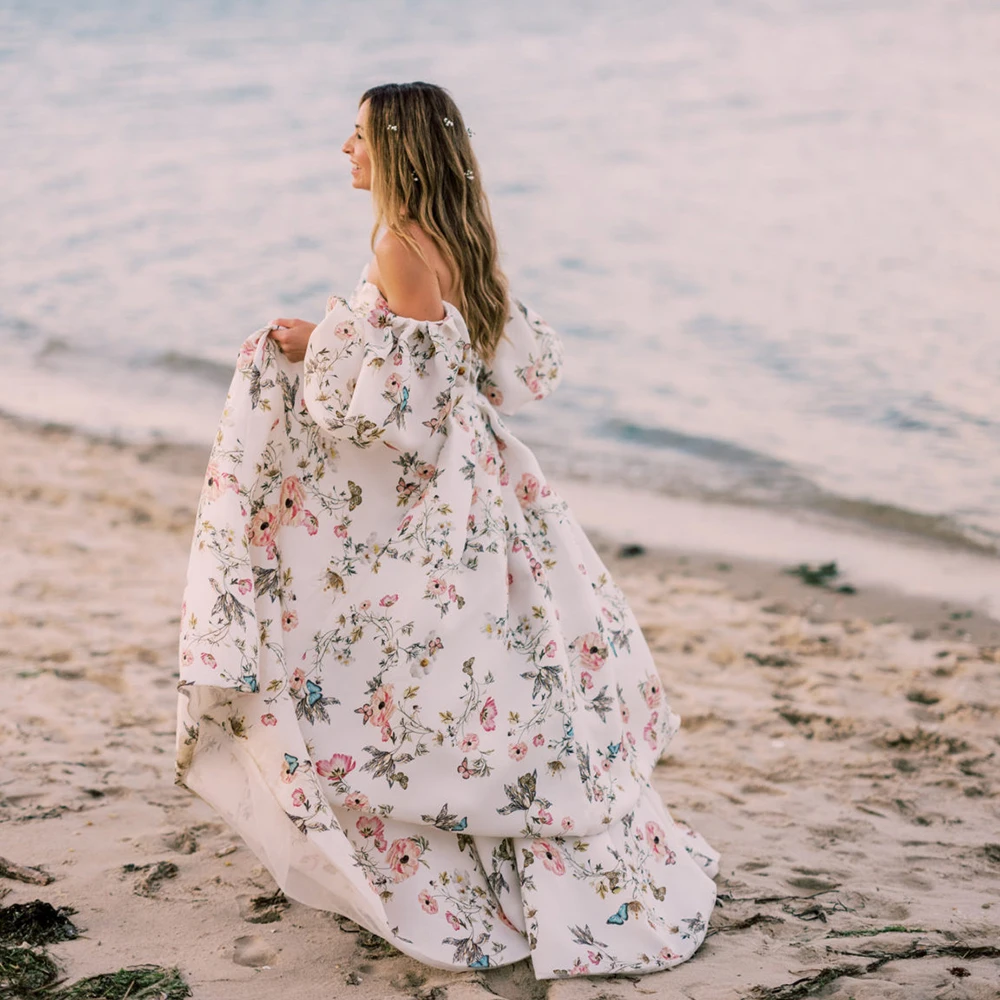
(406, 677)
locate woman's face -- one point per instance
(356, 148)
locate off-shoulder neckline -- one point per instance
(450, 310)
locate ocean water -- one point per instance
(769, 232)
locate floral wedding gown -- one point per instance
(407, 680)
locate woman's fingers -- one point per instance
(285, 322)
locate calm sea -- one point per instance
(770, 232)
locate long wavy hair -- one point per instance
(424, 171)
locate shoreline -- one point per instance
(935, 586)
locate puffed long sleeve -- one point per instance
(527, 364)
(371, 376)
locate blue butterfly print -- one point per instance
(313, 692)
(621, 916)
(483, 962)
(292, 763)
(460, 825)
(613, 750)
(251, 682)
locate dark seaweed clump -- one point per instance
(36, 923)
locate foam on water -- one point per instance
(768, 231)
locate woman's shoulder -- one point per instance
(407, 280)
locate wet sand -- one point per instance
(840, 750)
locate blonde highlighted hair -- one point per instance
(425, 172)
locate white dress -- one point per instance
(407, 679)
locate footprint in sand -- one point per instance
(253, 951)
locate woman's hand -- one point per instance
(291, 336)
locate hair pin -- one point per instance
(469, 175)
(448, 123)
(392, 128)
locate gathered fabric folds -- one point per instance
(407, 679)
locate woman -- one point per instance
(407, 680)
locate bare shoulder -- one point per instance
(409, 284)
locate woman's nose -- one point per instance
(346, 148)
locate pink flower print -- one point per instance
(595, 957)
(526, 490)
(464, 770)
(379, 316)
(425, 470)
(247, 351)
(336, 768)
(501, 445)
(402, 858)
(488, 715)
(263, 529)
(456, 924)
(298, 797)
(245, 586)
(655, 837)
(550, 649)
(340, 530)
(187, 658)
(626, 715)
(268, 719)
(532, 382)
(538, 740)
(653, 692)
(469, 742)
(372, 826)
(504, 475)
(649, 732)
(494, 395)
(436, 587)
(546, 490)
(549, 856)
(382, 706)
(435, 644)
(510, 579)
(592, 648)
(289, 620)
(344, 331)
(517, 751)
(536, 570)
(586, 681)
(293, 498)
(364, 606)
(209, 660)
(427, 902)
(544, 817)
(489, 463)
(389, 600)
(567, 824)
(393, 384)
(356, 800)
(668, 956)
(297, 679)
(452, 592)
(216, 483)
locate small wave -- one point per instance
(755, 479)
(216, 372)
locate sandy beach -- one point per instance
(840, 750)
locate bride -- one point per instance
(407, 680)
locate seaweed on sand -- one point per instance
(35, 923)
(23, 971)
(822, 575)
(139, 982)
